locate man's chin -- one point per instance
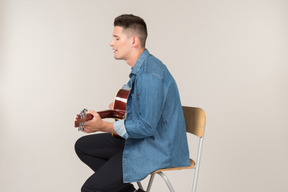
(117, 58)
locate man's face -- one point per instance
(121, 44)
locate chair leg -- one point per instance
(197, 166)
(167, 181)
(150, 182)
(195, 180)
(152, 179)
(140, 185)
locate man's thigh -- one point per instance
(99, 145)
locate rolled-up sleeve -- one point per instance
(120, 129)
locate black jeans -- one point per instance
(103, 154)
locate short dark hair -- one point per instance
(134, 24)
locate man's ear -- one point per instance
(135, 41)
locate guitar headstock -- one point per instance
(82, 114)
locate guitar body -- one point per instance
(120, 100)
(118, 111)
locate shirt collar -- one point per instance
(139, 62)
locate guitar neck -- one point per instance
(118, 114)
(113, 113)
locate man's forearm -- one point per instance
(108, 127)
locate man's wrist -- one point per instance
(108, 127)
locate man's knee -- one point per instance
(80, 145)
(77, 146)
(85, 189)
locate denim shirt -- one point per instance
(154, 127)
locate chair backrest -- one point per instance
(195, 120)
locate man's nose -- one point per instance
(111, 43)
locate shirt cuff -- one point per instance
(120, 128)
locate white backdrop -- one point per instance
(228, 57)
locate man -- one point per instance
(153, 135)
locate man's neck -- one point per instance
(132, 60)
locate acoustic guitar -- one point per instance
(117, 112)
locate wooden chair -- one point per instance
(195, 124)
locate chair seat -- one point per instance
(192, 164)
